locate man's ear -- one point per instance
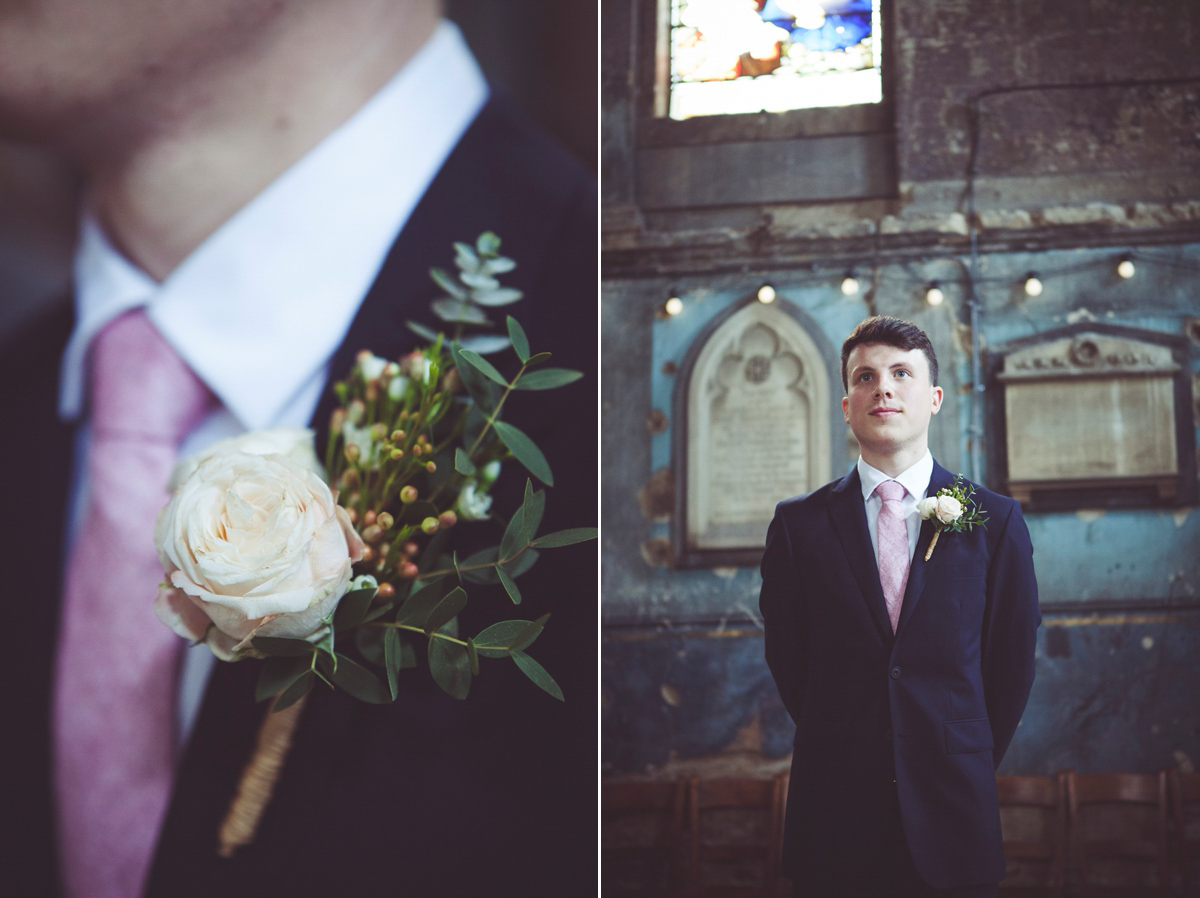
(937, 400)
(846, 407)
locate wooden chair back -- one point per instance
(1185, 809)
(1118, 816)
(641, 840)
(1033, 817)
(755, 842)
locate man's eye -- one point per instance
(902, 373)
(862, 378)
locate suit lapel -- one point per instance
(940, 479)
(849, 514)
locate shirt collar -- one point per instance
(296, 261)
(915, 479)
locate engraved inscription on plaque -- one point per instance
(1088, 410)
(757, 427)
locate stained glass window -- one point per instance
(738, 56)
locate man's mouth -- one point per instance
(884, 412)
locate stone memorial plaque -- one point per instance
(1091, 410)
(757, 428)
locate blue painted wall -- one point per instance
(1118, 666)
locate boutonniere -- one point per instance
(953, 509)
(348, 573)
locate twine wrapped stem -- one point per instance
(258, 779)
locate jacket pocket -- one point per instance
(964, 736)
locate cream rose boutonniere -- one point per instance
(951, 509)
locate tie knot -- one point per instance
(889, 490)
(140, 385)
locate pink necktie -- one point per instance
(893, 547)
(118, 665)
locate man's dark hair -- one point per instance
(891, 332)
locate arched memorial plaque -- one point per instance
(756, 428)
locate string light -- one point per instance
(673, 306)
(766, 294)
(1033, 286)
(1125, 268)
(934, 295)
(849, 284)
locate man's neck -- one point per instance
(896, 463)
(219, 141)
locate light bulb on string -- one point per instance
(1033, 286)
(673, 306)
(849, 284)
(766, 294)
(934, 295)
(1125, 268)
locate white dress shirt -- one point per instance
(258, 309)
(915, 482)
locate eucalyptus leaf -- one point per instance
(277, 674)
(391, 659)
(488, 244)
(463, 463)
(369, 641)
(472, 657)
(499, 265)
(531, 632)
(465, 257)
(477, 418)
(281, 647)
(525, 450)
(447, 283)
(450, 667)
(408, 655)
(535, 506)
(421, 331)
(547, 379)
(478, 280)
(513, 533)
(446, 609)
(295, 692)
(520, 342)
(509, 586)
(565, 537)
(485, 344)
(538, 674)
(495, 296)
(538, 358)
(417, 606)
(358, 681)
(486, 368)
(482, 390)
(448, 308)
(507, 636)
(521, 564)
(483, 575)
(352, 608)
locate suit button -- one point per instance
(895, 673)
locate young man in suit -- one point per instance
(906, 677)
(271, 182)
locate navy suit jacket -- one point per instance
(428, 795)
(931, 708)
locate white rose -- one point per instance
(948, 509)
(927, 507)
(252, 545)
(294, 442)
